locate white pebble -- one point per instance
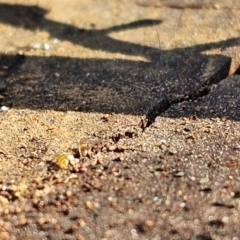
(225, 219)
(155, 199)
(70, 157)
(55, 40)
(46, 47)
(110, 199)
(36, 45)
(182, 205)
(4, 108)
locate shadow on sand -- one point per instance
(103, 85)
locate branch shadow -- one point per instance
(33, 18)
(107, 86)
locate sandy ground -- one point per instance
(119, 120)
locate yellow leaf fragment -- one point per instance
(62, 160)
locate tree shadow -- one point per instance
(119, 86)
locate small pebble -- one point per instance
(4, 108)
(89, 205)
(204, 180)
(110, 199)
(41, 221)
(55, 40)
(111, 148)
(70, 157)
(225, 219)
(81, 222)
(68, 193)
(192, 178)
(149, 223)
(46, 47)
(179, 174)
(22, 221)
(20, 52)
(182, 205)
(36, 45)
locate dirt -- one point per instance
(121, 126)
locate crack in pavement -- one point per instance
(162, 106)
